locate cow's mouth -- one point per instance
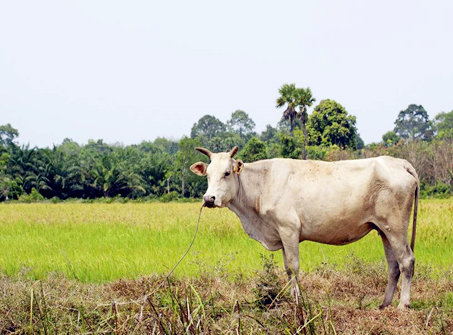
(209, 204)
(209, 201)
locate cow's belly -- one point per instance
(336, 233)
(334, 215)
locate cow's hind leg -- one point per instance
(393, 213)
(406, 261)
(397, 247)
(393, 272)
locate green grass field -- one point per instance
(105, 242)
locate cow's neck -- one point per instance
(247, 205)
(248, 195)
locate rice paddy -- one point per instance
(105, 242)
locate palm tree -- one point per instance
(30, 166)
(304, 99)
(112, 176)
(288, 97)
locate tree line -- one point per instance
(160, 168)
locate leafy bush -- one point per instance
(254, 150)
(316, 152)
(167, 197)
(32, 197)
(289, 147)
(439, 190)
(55, 200)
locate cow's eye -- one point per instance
(227, 173)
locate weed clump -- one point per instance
(268, 284)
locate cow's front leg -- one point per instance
(292, 269)
(291, 260)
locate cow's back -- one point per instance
(330, 197)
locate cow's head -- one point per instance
(222, 172)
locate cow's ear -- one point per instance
(238, 165)
(199, 168)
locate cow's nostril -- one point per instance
(209, 200)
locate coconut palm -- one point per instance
(304, 99)
(288, 97)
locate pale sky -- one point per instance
(128, 71)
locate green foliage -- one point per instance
(413, 124)
(7, 135)
(168, 146)
(330, 124)
(207, 128)
(269, 135)
(289, 147)
(390, 138)
(304, 99)
(241, 124)
(447, 300)
(218, 137)
(167, 197)
(224, 142)
(185, 157)
(444, 125)
(438, 190)
(98, 170)
(254, 150)
(32, 197)
(112, 176)
(294, 98)
(288, 97)
(317, 152)
(360, 142)
(154, 168)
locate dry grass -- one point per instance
(336, 301)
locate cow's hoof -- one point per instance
(296, 294)
(381, 307)
(403, 307)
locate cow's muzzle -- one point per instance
(209, 200)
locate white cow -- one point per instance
(282, 202)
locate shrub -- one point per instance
(32, 197)
(167, 197)
(439, 190)
(316, 152)
(254, 150)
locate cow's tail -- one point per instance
(414, 220)
(411, 170)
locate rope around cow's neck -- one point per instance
(190, 245)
